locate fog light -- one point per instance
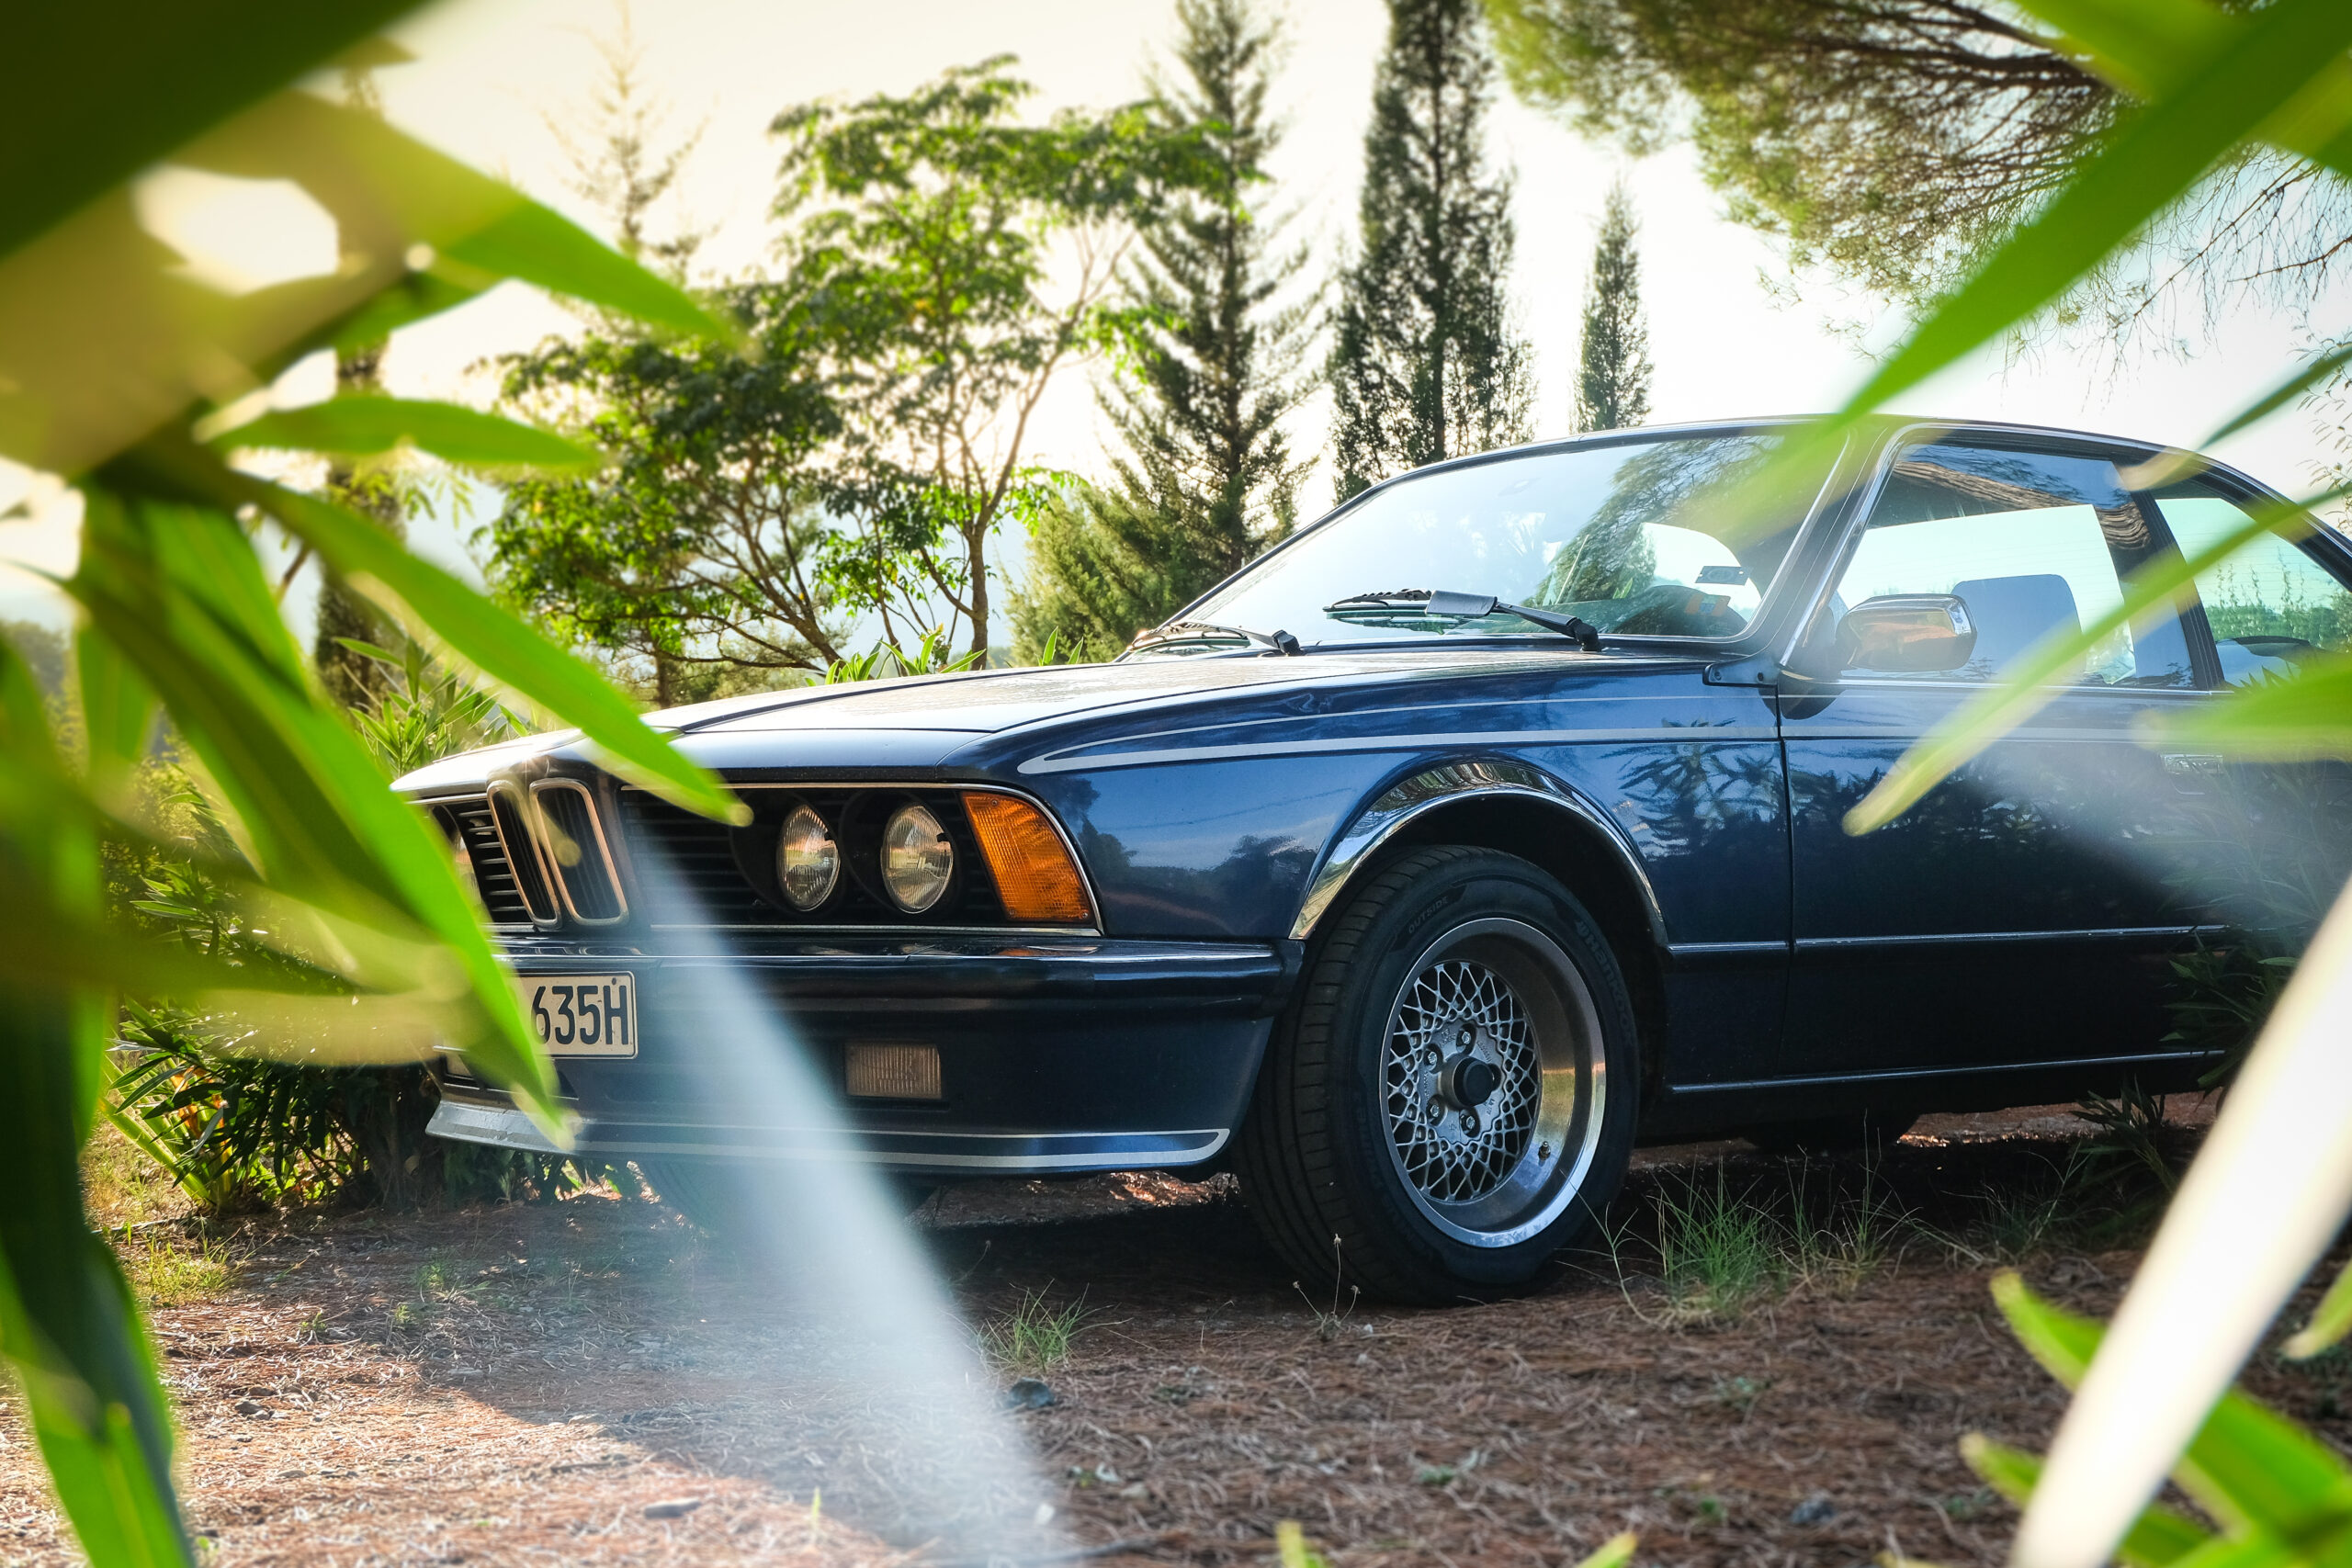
(808, 863)
(916, 859)
(892, 1072)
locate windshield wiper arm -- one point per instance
(1449, 605)
(1204, 631)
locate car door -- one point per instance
(2022, 911)
(2275, 833)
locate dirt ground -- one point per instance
(594, 1381)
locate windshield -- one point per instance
(1634, 538)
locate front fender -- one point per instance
(1453, 783)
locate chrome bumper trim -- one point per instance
(970, 1153)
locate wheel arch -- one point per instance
(1510, 806)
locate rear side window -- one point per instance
(2271, 604)
(2034, 543)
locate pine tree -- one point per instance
(1206, 479)
(1613, 361)
(1424, 364)
(372, 489)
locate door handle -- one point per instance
(2191, 771)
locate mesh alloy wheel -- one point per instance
(1492, 1081)
(1450, 1099)
(1463, 1080)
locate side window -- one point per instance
(2270, 603)
(2032, 543)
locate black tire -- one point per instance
(1403, 1188)
(1859, 1131)
(720, 1197)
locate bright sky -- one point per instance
(489, 72)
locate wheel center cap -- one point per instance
(1466, 1082)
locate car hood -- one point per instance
(921, 721)
(989, 701)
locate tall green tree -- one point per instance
(960, 261)
(1894, 141)
(1424, 364)
(1206, 478)
(1613, 356)
(942, 261)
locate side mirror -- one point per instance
(1913, 632)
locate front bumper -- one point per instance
(1057, 1055)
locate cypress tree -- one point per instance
(1613, 361)
(1206, 478)
(1424, 364)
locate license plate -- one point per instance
(581, 1015)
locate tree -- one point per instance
(1613, 359)
(927, 228)
(1424, 364)
(1206, 479)
(700, 550)
(1892, 141)
(368, 487)
(858, 456)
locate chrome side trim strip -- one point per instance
(923, 1151)
(1423, 791)
(2004, 939)
(1907, 1075)
(1679, 736)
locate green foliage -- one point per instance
(1894, 143)
(48, 654)
(112, 359)
(934, 655)
(927, 224)
(1614, 354)
(860, 454)
(1210, 369)
(1424, 363)
(2279, 1494)
(426, 712)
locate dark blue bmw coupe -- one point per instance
(1485, 827)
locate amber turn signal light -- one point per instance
(1035, 875)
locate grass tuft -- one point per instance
(168, 1274)
(1034, 1336)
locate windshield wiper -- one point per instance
(1448, 605)
(1209, 631)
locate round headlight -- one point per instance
(808, 863)
(916, 859)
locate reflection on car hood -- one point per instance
(985, 702)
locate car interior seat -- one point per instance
(2012, 614)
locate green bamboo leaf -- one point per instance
(179, 591)
(363, 425)
(2331, 1320)
(542, 246)
(117, 715)
(2248, 1466)
(2024, 689)
(2159, 1537)
(2155, 156)
(436, 605)
(100, 91)
(2151, 49)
